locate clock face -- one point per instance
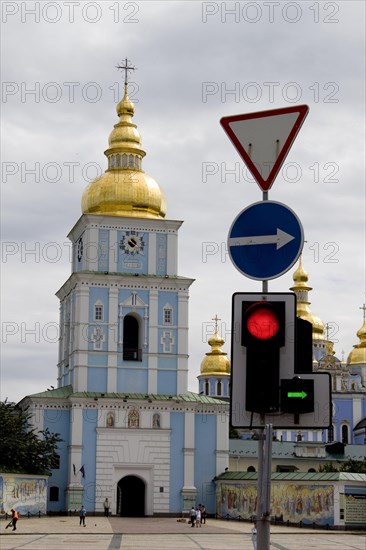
(132, 243)
(80, 249)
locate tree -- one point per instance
(22, 450)
(353, 466)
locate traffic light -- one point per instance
(271, 366)
(265, 350)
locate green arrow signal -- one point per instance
(301, 394)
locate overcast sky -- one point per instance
(196, 62)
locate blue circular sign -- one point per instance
(265, 240)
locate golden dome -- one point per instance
(124, 189)
(216, 360)
(301, 289)
(358, 354)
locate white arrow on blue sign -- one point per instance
(265, 240)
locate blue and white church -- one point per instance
(131, 430)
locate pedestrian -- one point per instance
(15, 517)
(198, 517)
(254, 535)
(192, 515)
(203, 513)
(106, 507)
(82, 515)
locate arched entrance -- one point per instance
(131, 497)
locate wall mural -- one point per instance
(26, 494)
(289, 502)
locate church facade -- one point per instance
(131, 431)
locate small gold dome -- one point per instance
(124, 189)
(216, 360)
(301, 289)
(358, 354)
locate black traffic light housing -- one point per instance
(263, 332)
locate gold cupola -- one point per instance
(124, 189)
(301, 289)
(358, 354)
(216, 361)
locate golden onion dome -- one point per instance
(216, 360)
(124, 189)
(358, 354)
(301, 289)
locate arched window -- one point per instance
(131, 348)
(344, 434)
(207, 387)
(133, 419)
(131, 161)
(250, 469)
(54, 494)
(124, 160)
(118, 163)
(219, 388)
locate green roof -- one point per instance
(67, 391)
(294, 476)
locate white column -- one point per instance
(188, 451)
(172, 254)
(151, 259)
(182, 349)
(112, 340)
(222, 446)
(91, 250)
(153, 341)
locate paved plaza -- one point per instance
(100, 533)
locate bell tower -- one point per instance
(124, 309)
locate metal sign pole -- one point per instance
(264, 486)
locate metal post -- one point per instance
(264, 486)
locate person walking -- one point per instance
(203, 513)
(192, 515)
(106, 507)
(14, 519)
(254, 536)
(82, 515)
(198, 517)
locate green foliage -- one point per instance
(233, 433)
(328, 467)
(22, 450)
(352, 466)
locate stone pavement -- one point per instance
(100, 533)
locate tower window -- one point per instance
(131, 339)
(207, 387)
(124, 160)
(98, 313)
(168, 315)
(219, 388)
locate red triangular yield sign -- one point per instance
(264, 139)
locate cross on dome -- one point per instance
(363, 307)
(126, 67)
(216, 318)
